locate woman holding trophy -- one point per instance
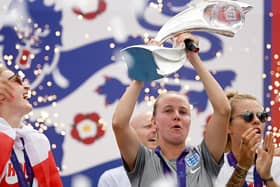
(189, 166)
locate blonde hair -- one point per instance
(163, 95)
(235, 97)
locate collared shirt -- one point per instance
(200, 172)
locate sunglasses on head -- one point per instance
(16, 78)
(249, 116)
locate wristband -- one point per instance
(270, 179)
(242, 172)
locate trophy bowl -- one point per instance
(147, 63)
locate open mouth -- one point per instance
(258, 130)
(152, 139)
(27, 95)
(177, 127)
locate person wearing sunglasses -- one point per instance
(26, 159)
(245, 151)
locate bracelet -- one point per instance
(242, 172)
(270, 179)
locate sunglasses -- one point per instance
(16, 78)
(249, 116)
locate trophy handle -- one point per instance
(191, 46)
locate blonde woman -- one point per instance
(245, 150)
(26, 159)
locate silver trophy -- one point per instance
(146, 62)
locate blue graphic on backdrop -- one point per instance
(198, 99)
(70, 69)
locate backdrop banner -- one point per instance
(70, 52)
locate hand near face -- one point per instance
(250, 142)
(265, 156)
(6, 90)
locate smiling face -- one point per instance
(172, 118)
(19, 104)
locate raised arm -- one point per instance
(216, 132)
(264, 161)
(7, 137)
(7, 134)
(125, 135)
